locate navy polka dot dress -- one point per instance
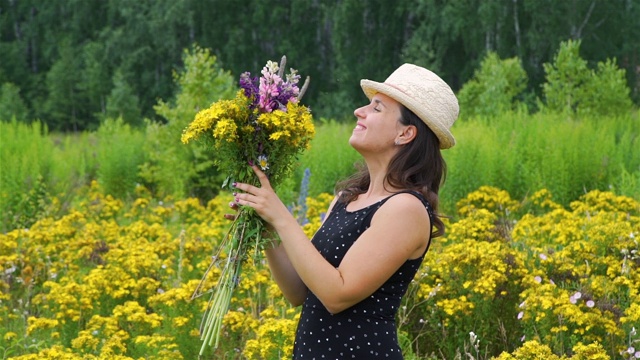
(367, 330)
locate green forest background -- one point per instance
(73, 63)
(102, 90)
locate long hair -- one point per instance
(418, 166)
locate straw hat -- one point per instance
(424, 93)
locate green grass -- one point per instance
(517, 152)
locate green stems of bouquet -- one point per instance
(244, 237)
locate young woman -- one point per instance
(350, 278)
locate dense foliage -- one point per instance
(514, 280)
(105, 232)
(73, 63)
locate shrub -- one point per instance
(173, 168)
(494, 88)
(573, 88)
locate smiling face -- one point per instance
(377, 126)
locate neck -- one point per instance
(377, 183)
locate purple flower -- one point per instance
(248, 84)
(272, 92)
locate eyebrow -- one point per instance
(378, 101)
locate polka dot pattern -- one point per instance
(367, 330)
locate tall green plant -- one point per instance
(25, 161)
(527, 153)
(119, 157)
(67, 176)
(173, 168)
(330, 157)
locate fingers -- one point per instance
(234, 206)
(262, 177)
(264, 181)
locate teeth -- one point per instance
(359, 127)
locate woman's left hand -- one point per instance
(263, 199)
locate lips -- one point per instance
(359, 126)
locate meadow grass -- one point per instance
(517, 152)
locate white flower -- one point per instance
(543, 256)
(263, 162)
(538, 279)
(520, 315)
(591, 303)
(473, 337)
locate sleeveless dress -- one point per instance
(367, 330)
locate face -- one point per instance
(377, 126)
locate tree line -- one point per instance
(73, 63)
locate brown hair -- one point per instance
(418, 166)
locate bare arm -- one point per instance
(285, 275)
(378, 253)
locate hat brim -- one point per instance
(371, 88)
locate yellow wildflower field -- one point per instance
(510, 280)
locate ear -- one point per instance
(407, 135)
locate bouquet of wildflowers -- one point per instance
(265, 125)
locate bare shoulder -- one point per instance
(403, 210)
(405, 203)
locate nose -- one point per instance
(359, 112)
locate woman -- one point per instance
(351, 277)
